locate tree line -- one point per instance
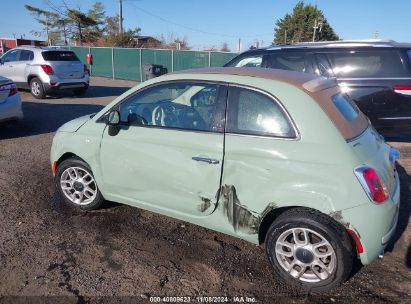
(63, 23)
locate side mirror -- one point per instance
(1, 61)
(113, 118)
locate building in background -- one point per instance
(11, 43)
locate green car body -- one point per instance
(253, 177)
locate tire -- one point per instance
(37, 88)
(311, 276)
(80, 92)
(80, 189)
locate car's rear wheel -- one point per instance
(37, 89)
(76, 184)
(309, 250)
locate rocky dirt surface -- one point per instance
(121, 254)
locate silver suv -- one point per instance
(45, 70)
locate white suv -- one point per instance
(45, 70)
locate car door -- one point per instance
(8, 62)
(21, 66)
(168, 151)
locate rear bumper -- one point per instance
(60, 84)
(65, 86)
(393, 125)
(11, 109)
(374, 224)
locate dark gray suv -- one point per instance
(376, 74)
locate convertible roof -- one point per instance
(309, 82)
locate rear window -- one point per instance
(59, 56)
(368, 64)
(345, 106)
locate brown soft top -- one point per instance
(305, 81)
(320, 88)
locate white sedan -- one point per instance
(10, 101)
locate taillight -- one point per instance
(11, 87)
(372, 184)
(358, 245)
(402, 89)
(47, 69)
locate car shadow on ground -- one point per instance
(42, 118)
(94, 91)
(404, 213)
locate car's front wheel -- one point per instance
(309, 251)
(76, 184)
(37, 89)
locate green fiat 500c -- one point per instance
(268, 156)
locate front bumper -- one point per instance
(374, 224)
(10, 109)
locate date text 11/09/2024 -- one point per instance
(203, 299)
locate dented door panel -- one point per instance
(155, 166)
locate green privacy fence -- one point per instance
(127, 63)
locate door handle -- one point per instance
(206, 160)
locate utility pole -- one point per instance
(376, 34)
(120, 16)
(318, 24)
(285, 36)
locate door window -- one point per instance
(11, 56)
(255, 113)
(252, 61)
(323, 66)
(189, 106)
(26, 55)
(293, 61)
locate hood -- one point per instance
(75, 124)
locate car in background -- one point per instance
(376, 74)
(45, 70)
(268, 156)
(10, 101)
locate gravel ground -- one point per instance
(123, 254)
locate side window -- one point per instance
(323, 66)
(252, 61)
(26, 55)
(254, 113)
(11, 56)
(190, 106)
(293, 61)
(368, 64)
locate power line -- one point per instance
(191, 28)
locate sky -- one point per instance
(210, 23)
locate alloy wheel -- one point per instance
(78, 185)
(305, 254)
